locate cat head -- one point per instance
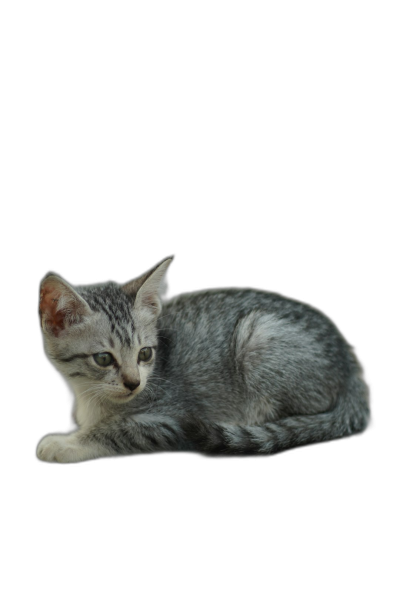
(103, 338)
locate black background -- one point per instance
(246, 184)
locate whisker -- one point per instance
(163, 314)
(157, 377)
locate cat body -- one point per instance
(232, 371)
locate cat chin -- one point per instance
(119, 400)
(122, 399)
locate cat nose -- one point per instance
(131, 385)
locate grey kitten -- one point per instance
(222, 371)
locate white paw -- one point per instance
(60, 448)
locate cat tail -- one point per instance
(350, 415)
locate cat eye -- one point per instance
(103, 359)
(145, 354)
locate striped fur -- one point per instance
(231, 371)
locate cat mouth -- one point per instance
(123, 398)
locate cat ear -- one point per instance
(60, 306)
(145, 290)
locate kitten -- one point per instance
(232, 371)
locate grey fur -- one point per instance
(233, 371)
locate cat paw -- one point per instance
(60, 448)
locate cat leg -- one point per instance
(113, 436)
(68, 447)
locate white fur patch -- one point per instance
(67, 448)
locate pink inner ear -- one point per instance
(150, 299)
(49, 298)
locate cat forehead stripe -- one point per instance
(118, 315)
